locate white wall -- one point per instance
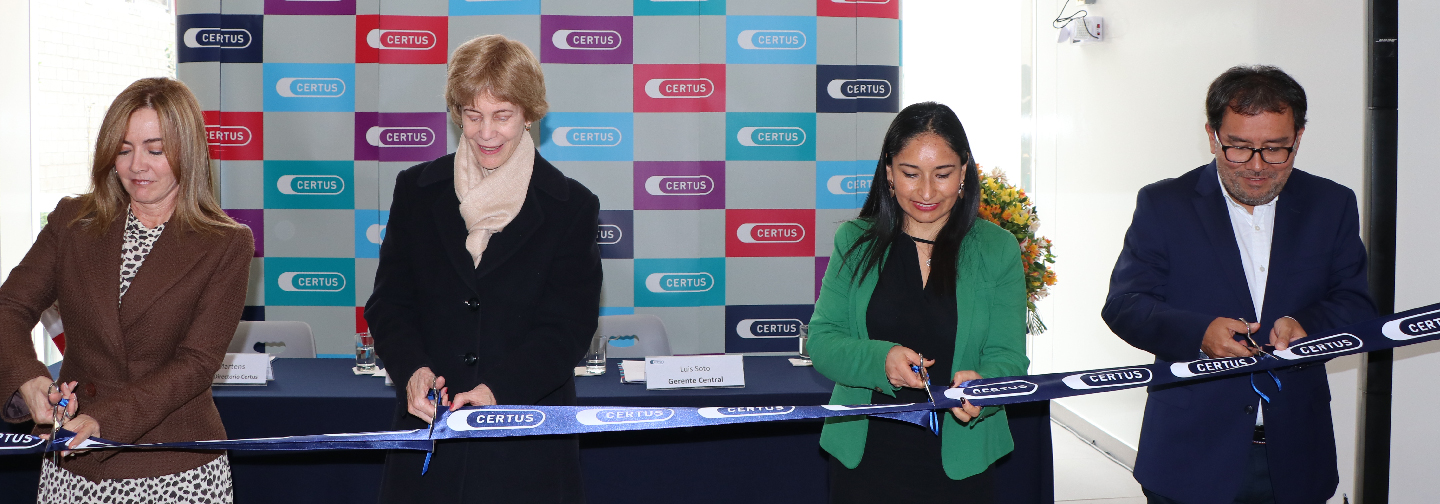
(83, 54)
(61, 64)
(966, 55)
(1413, 440)
(16, 232)
(1115, 116)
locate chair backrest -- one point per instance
(632, 336)
(284, 338)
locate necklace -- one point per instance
(927, 242)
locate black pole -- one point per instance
(1373, 447)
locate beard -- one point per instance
(1232, 180)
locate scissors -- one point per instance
(1251, 338)
(925, 377)
(58, 415)
(433, 395)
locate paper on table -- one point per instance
(632, 371)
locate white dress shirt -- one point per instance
(1253, 234)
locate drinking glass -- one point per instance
(804, 341)
(364, 352)
(595, 357)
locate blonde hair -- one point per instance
(501, 67)
(182, 129)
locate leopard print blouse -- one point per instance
(138, 242)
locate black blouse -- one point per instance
(904, 456)
(916, 316)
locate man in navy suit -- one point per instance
(1243, 245)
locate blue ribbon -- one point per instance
(1411, 327)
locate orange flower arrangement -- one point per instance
(1012, 210)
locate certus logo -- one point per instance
(1333, 344)
(495, 419)
(310, 87)
(770, 232)
(312, 281)
(771, 136)
(400, 136)
(771, 39)
(228, 38)
(679, 185)
(679, 282)
(991, 390)
(9, 441)
(227, 136)
(768, 328)
(603, 416)
(679, 88)
(222, 38)
(749, 411)
(586, 136)
(1210, 366)
(849, 184)
(1415, 326)
(590, 40)
(855, 89)
(312, 185)
(1110, 378)
(405, 40)
(608, 234)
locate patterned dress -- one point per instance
(207, 484)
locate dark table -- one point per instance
(768, 462)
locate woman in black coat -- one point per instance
(488, 288)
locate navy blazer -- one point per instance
(1179, 270)
(518, 323)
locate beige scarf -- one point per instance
(489, 200)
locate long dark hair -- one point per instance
(883, 212)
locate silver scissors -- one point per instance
(1251, 338)
(924, 376)
(433, 395)
(934, 417)
(58, 415)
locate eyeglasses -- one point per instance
(1238, 155)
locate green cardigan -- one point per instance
(989, 339)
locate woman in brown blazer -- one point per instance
(150, 276)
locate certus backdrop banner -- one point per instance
(726, 139)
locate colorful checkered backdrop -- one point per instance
(726, 139)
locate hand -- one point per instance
(897, 367)
(479, 396)
(1286, 331)
(416, 389)
(966, 411)
(1219, 340)
(84, 428)
(41, 400)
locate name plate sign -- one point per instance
(243, 369)
(694, 371)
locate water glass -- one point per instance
(595, 357)
(804, 341)
(364, 352)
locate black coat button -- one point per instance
(1250, 409)
(469, 358)
(473, 304)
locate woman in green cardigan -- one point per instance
(917, 274)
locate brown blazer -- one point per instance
(144, 367)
